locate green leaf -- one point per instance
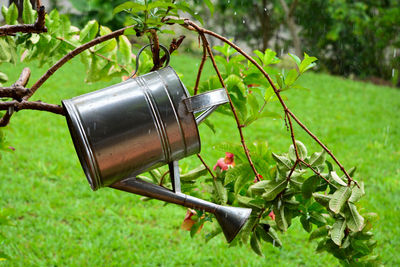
(307, 63)
(220, 192)
(255, 244)
(216, 231)
(5, 53)
(317, 219)
(12, 15)
(158, 4)
(194, 174)
(233, 174)
(108, 45)
(248, 227)
(306, 224)
(296, 59)
(135, 7)
(337, 179)
(360, 246)
(284, 164)
(89, 32)
(280, 218)
(319, 232)
(248, 202)
(291, 77)
(28, 14)
(339, 198)
(210, 6)
(318, 159)
(269, 236)
(186, 8)
(309, 186)
(125, 48)
(355, 222)
(3, 77)
(259, 187)
(241, 181)
(337, 231)
(273, 188)
(322, 199)
(357, 193)
(301, 149)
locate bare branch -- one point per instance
(172, 47)
(239, 125)
(72, 54)
(34, 105)
(38, 27)
(155, 50)
(203, 60)
(205, 165)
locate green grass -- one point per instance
(59, 221)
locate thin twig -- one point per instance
(203, 60)
(20, 83)
(292, 169)
(37, 27)
(313, 136)
(314, 170)
(239, 125)
(205, 165)
(192, 26)
(172, 47)
(34, 105)
(95, 53)
(155, 49)
(162, 178)
(72, 54)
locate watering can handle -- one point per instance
(207, 102)
(167, 54)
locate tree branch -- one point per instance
(72, 54)
(193, 27)
(203, 60)
(38, 27)
(34, 105)
(239, 125)
(17, 90)
(205, 165)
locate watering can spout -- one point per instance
(231, 219)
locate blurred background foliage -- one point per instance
(353, 38)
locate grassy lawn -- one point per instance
(59, 221)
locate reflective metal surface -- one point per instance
(140, 124)
(231, 219)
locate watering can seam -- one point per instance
(161, 131)
(165, 87)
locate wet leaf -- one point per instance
(355, 222)
(337, 179)
(337, 231)
(309, 186)
(273, 188)
(357, 193)
(255, 244)
(339, 198)
(319, 232)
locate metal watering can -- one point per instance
(143, 123)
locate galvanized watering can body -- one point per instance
(140, 124)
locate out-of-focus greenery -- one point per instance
(57, 220)
(350, 37)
